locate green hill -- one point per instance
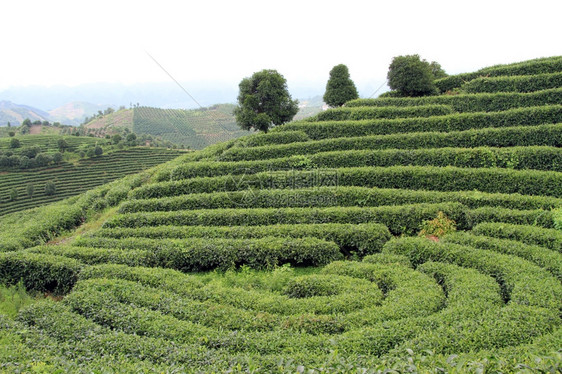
(299, 250)
(193, 129)
(78, 169)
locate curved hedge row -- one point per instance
(39, 272)
(537, 158)
(455, 122)
(351, 114)
(521, 83)
(538, 66)
(262, 139)
(334, 196)
(549, 238)
(483, 102)
(200, 254)
(364, 239)
(522, 282)
(492, 180)
(542, 256)
(398, 219)
(545, 135)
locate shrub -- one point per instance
(411, 76)
(545, 135)
(482, 102)
(398, 219)
(15, 143)
(523, 83)
(199, 254)
(353, 114)
(531, 116)
(50, 188)
(340, 88)
(549, 238)
(523, 283)
(438, 227)
(362, 239)
(39, 272)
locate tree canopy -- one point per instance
(264, 101)
(340, 88)
(412, 76)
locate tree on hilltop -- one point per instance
(264, 101)
(340, 88)
(412, 76)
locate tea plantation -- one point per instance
(298, 250)
(73, 178)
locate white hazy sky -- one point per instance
(75, 42)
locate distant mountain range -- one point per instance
(166, 95)
(72, 113)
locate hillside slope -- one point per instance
(321, 218)
(193, 129)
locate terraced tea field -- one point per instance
(298, 250)
(72, 179)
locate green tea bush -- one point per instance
(198, 254)
(549, 238)
(542, 256)
(538, 66)
(399, 219)
(531, 116)
(345, 114)
(546, 135)
(39, 272)
(529, 157)
(490, 180)
(482, 102)
(522, 282)
(363, 239)
(335, 196)
(521, 83)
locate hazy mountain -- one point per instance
(16, 113)
(75, 112)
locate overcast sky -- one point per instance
(75, 42)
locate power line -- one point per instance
(383, 83)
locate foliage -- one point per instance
(531, 116)
(340, 88)
(13, 194)
(264, 101)
(15, 143)
(29, 189)
(412, 76)
(354, 114)
(438, 227)
(13, 298)
(50, 188)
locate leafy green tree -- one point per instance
(15, 143)
(29, 189)
(411, 76)
(340, 88)
(57, 158)
(12, 134)
(437, 70)
(62, 144)
(50, 188)
(264, 101)
(116, 138)
(13, 194)
(26, 122)
(98, 151)
(132, 139)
